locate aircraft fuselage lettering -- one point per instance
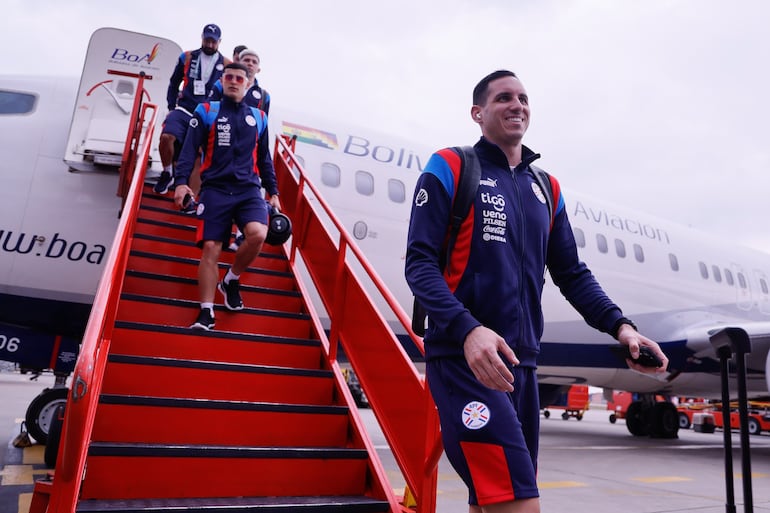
(121, 54)
(623, 224)
(58, 247)
(9, 344)
(401, 157)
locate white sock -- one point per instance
(168, 169)
(231, 276)
(210, 306)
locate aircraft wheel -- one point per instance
(565, 416)
(579, 416)
(754, 427)
(636, 419)
(546, 413)
(41, 412)
(54, 437)
(684, 421)
(664, 421)
(613, 418)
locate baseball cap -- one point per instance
(212, 31)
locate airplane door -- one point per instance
(742, 287)
(763, 294)
(104, 101)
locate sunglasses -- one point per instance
(230, 77)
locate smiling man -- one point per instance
(483, 293)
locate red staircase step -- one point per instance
(191, 421)
(158, 285)
(300, 504)
(142, 339)
(182, 313)
(159, 251)
(165, 229)
(133, 471)
(166, 377)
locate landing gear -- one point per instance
(41, 412)
(656, 419)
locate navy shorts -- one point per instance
(218, 210)
(176, 123)
(490, 437)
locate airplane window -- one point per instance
(729, 277)
(673, 262)
(364, 183)
(620, 248)
(580, 238)
(704, 270)
(13, 102)
(638, 253)
(717, 274)
(763, 285)
(330, 174)
(601, 241)
(741, 280)
(396, 190)
(360, 230)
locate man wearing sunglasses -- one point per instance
(232, 137)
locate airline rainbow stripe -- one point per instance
(310, 135)
(153, 52)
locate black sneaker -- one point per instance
(164, 183)
(232, 294)
(205, 320)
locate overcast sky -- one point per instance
(658, 105)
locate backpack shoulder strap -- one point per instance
(465, 193)
(544, 181)
(467, 185)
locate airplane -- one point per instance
(59, 212)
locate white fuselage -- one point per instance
(57, 225)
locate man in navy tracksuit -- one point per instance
(196, 72)
(233, 139)
(484, 313)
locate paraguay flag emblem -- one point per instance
(475, 415)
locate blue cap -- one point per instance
(211, 31)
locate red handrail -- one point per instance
(89, 370)
(396, 392)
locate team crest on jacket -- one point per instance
(421, 198)
(193, 123)
(475, 415)
(538, 193)
(251, 121)
(255, 94)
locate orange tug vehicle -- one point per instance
(574, 402)
(704, 417)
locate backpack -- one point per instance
(467, 186)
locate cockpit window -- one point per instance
(14, 102)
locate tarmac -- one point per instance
(585, 466)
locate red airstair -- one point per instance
(255, 415)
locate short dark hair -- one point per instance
(238, 49)
(237, 65)
(480, 91)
